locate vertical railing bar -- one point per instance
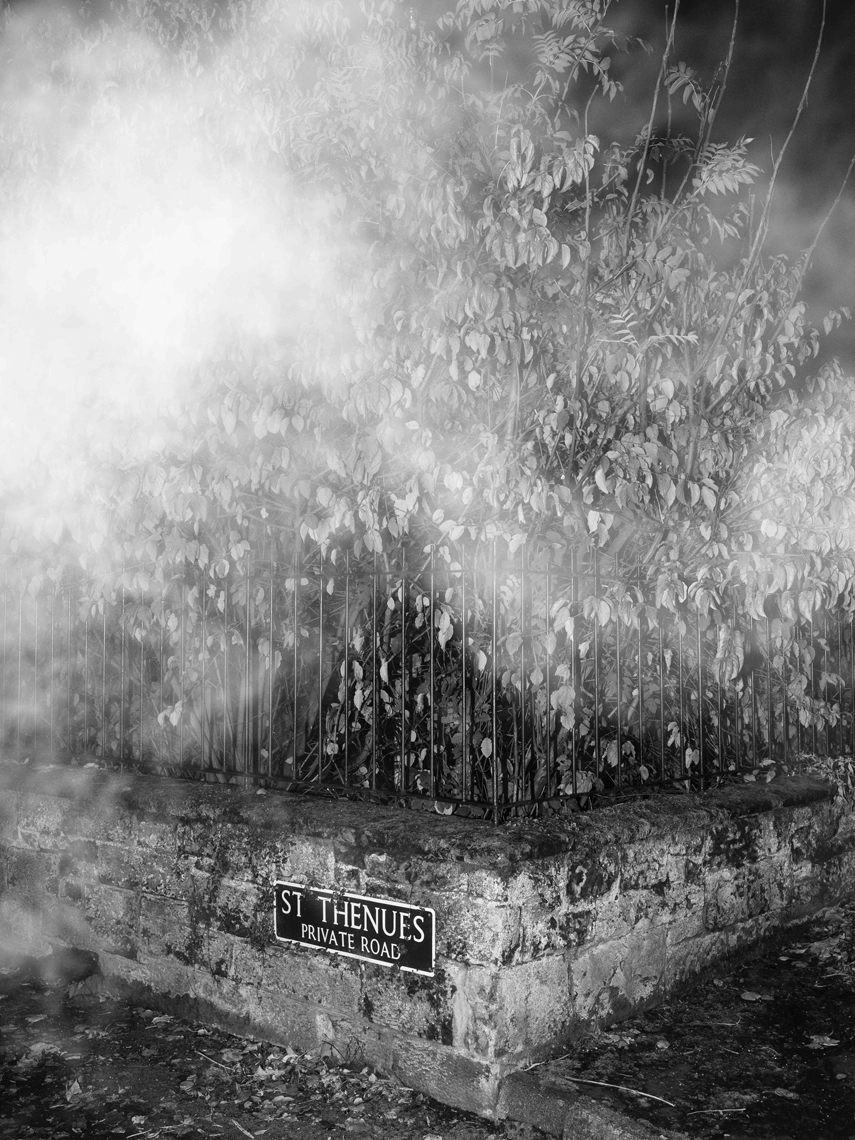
(36, 677)
(814, 732)
(681, 692)
(271, 662)
(20, 665)
(321, 591)
(640, 677)
(839, 670)
(141, 694)
(661, 699)
(547, 591)
(737, 733)
(346, 678)
(375, 633)
(466, 792)
(294, 696)
(494, 756)
(182, 632)
(162, 627)
(86, 684)
(618, 695)
(248, 759)
(404, 741)
(574, 669)
(70, 664)
(104, 679)
(52, 692)
(596, 622)
(618, 699)
(122, 652)
(525, 684)
(5, 633)
(701, 762)
(785, 706)
(226, 682)
(720, 766)
(432, 669)
(752, 676)
(206, 761)
(825, 669)
(770, 710)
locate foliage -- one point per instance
(519, 334)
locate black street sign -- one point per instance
(384, 931)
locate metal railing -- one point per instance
(488, 687)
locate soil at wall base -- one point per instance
(759, 1048)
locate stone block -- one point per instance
(8, 819)
(470, 930)
(310, 863)
(41, 819)
(447, 1074)
(112, 916)
(622, 912)
(733, 895)
(155, 872)
(410, 1003)
(499, 1014)
(315, 977)
(167, 926)
(16, 918)
(527, 1098)
(612, 979)
(593, 877)
(32, 872)
(685, 957)
(544, 931)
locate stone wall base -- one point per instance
(543, 928)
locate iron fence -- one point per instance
(475, 685)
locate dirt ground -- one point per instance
(763, 1048)
(76, 1064)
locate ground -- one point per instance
(760, 1047)
(74, 1063)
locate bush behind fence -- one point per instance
(473, 683)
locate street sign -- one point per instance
(383, 931)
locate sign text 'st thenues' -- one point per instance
(384, 931)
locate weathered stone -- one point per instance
(610, 979)
(542, 927)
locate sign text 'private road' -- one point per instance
(384, 931)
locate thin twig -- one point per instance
(669, 44)
(240, 1128)
(213, 1061)
(537, 1064)
(702, 1111)
(755, 251)
(623, 1088)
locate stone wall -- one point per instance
(542, 927)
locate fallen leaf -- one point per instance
(35, 1017)
(785, 1093)
(822, 1041)
(749, 995)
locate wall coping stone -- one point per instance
(402, 833)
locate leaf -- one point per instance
(749, 995)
